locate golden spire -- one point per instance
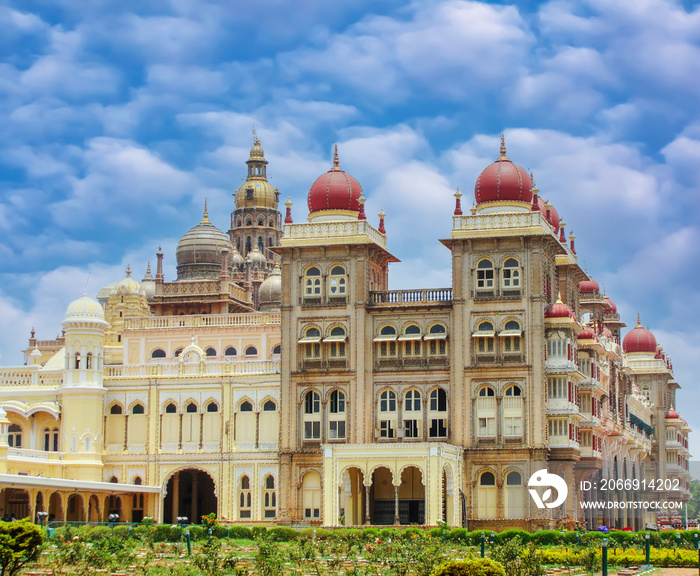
(205, 217)
(503, 148)
(639, 320)
(128, 270)
(336, 162)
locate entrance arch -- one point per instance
(55, 507)
(190, 493)
(15, 503)
(352, 496)
(412, 496)
(75, 508)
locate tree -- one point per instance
(19, 544)
(694, 503)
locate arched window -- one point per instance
(311, 343)
(387, 409)
(138, 409)
(212, 407)
(336, 343)
(77, 361)
(245, 406)
(512, 411)
(484, 275)
(158, 353)
(113, 480)
(337, 282)
(484, 337)
(513, 391)
(438, 420)
(514, 495)
(251, 351)
(312, 282)
(178, 352)
(14, 438)
(269, 498)
(437, 340)
(277, 350)
(487, 479)
(269, 406)
(336, 416)
(230, 352)
(312, 415)
(438, 400)
(88, 361)
(486, 412)
(137, 481)
(210, 351)
(115, 409)
(48, 436)
(511, 335)
(510, 274)
(412, 408)
(386, 342)
(191, 408)
(411, 339)
(171, 408)
(412, 401)
(245, 498)
(261, 222)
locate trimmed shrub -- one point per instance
(121, 532)
(458, 535)
(19, 544)
(97, 533)
(321, 533)
(470, 567)
(241, 533)
(283, 534)
(546, 537)
(508, 535)
(386, 533)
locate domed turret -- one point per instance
(672, 414)
(256, 191)
(85, 308)
(270, 291)
(256, 258)
(639, 339)
(128, 285)
(610, 307)
(199, 252)
(586, 334)
(558, 310)
(148, 284)
(335, 194)
(236, 259)
(588, 286)
(503, 181)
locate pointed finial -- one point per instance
(205, 217)
(128, 271)
(458, 203)
(639, 320)
(503, 147)
(255, 134)
(336, 162)
(148, 268)
(571, 242)
(562, 236)
(382, 215)
(160, 248)
(288, 216)
(473, 209)
(361, 215)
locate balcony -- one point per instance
(590, 384)
(560, 364)
(215, 320)
(26, 454)
(407, 298)
(30, 376)
(588, 452)
(561, 406)
(589, 421)
(192, 369)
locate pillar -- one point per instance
(367, 518)
(397, 519)
(195, 509)
(176, 497)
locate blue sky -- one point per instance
(118, 119)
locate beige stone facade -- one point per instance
(279, 379)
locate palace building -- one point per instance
(278, 379)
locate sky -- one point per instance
(117, 120)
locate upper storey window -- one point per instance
(337, 282)
(511, 335)
(510, 274)
(386, 342)
(312, 343)
(411, 339)
(437, 340)
(484, 336)
(312, 283)
(484, 275)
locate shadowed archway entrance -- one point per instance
(190, 493)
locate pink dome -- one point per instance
(503, 181)
(558, 310)
(589, 286)
(586, 334)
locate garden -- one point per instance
(217, 550)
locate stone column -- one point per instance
(397, 519)
(195, 489)
(367, 518)
(176, 497)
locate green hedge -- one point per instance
(470, 567)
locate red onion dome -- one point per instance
(588, 286)
(639, 339)
(503, 181)
(586, 334)
(558, 310)
(335, 190)
(610, 307)
(672, 414)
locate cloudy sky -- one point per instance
(118, 119)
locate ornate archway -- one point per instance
(190, 493)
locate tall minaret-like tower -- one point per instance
(82, 394)
(256, 221)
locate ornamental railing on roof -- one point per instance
(423, 296)
(214, 320)
(192, 369)
(499, 221)
(327, 230)
(30, 376)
